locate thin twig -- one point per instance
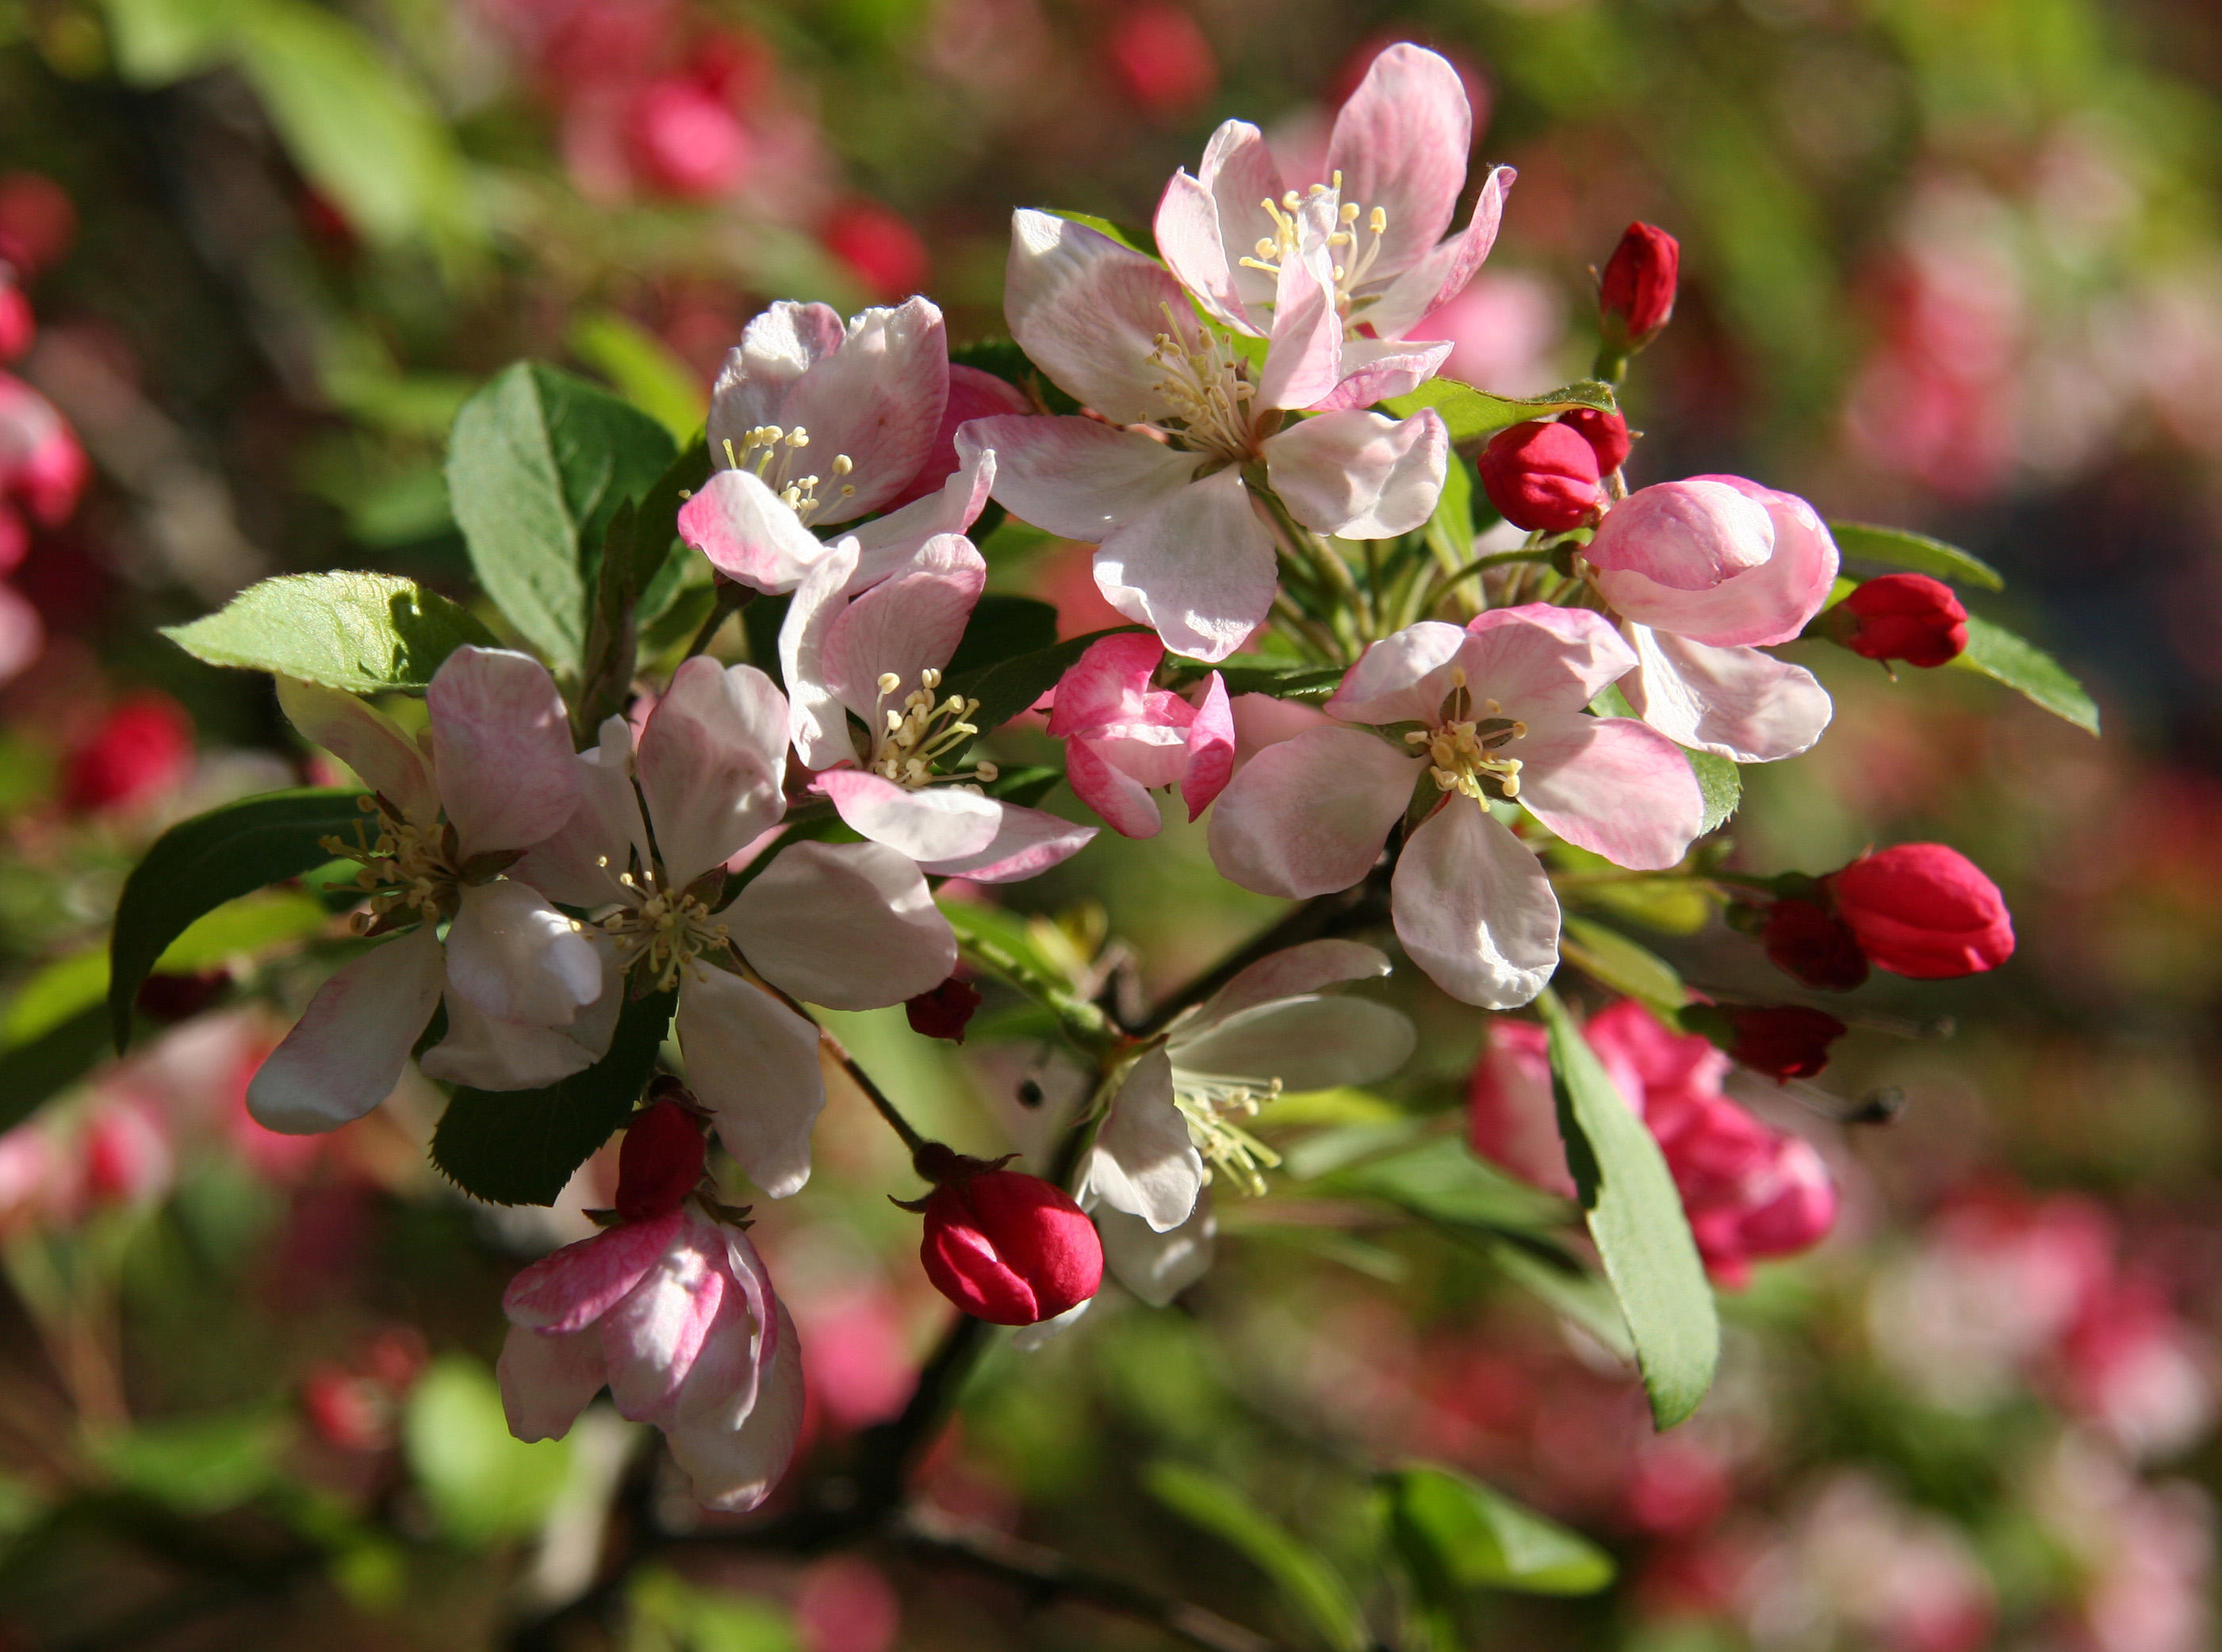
(873, 1093)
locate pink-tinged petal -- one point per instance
(886, 542)
(501, 750)
(1293, 972)
(1401, 144)
(1260, 720)
(1186, 229)
(850, 926)
(1088, 313)
(22, 633)
(1736, 703)
(1199, 570)
(488, 1054)
(1307, 1043)
(1802, 571)
(1305, 359)
(1473, 907)
(1309, 816)
(936, 823)
(1142, 1162)
(1108, 684)
(713, 759)
(1361, 474)
(1401, 679)
(972, 394)
(1123, 801)
(1156, 1268)
(1717, 559)
(1613, 787)
(749, 533)
(1242, 175)
(652, 1336)
(345, 1054)
(1210, 748)
(1079, 479)
(581, 864)
(777, 348)
(903, 626)
(1374, 370)
(735, 1387)
(369, 742)
(1027, 842)
(546, 1381)
(1511, 1119)
(877, 399)
(570, 1288)
(734, 1466)
(1542, 663)
(517, 958)
(1441, 274)
(816, 719)
(753, 1062)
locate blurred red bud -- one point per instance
(942, 1012)
(1638, 291)
(1809, 943)
(169, 998)
(686, 141)
(1907, 617)
(18, 327)
(140, 750)
(1606, 433)
(880, 248)
(660, 1161)
(1541, 477)
(1009, 1248)
(1160, 58)
(37, 222)
(1924, 911)
(1781, 1041)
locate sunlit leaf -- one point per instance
(1896, 548)
(1455, 1532)
(480, 1484)
(1997, 653)
(1472, 414)
(367, 633)
(1305, 1578)
(1610, 958)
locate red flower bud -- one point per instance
(659, 1162)
(1541, 477)
(1924, 911)
(880, 249)
(687, 142)
(1008, 1248)
(1907, 617)
(1638, 291)
(1808, 942)
(942, 1012)
(140, 749)
(17, 325)
(1781, 1041)
(37, 221)
(1606, 433)
(1160, 58)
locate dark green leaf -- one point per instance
(640, 546)
(1449, 529)
(537, 465)
(1637, 1220)
(1002, 627)
(1473, 414)
(1248, 674)
(367, 633)
(1997, 653)
(1896, 547)
(1722, 783)
(761, 622)
(1442, 1181)
(34, 1072)
(1024, 786)
(1305, 1578)
(1455, 1532)
(1610, 959)
(198, 864)
(200, 1465)
(1008, 687)
(519, 1146)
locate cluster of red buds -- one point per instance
(1921, 910)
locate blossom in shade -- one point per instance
(1705, 572)
(493, 776)
(38, 221)
(1636, 296)
(1496, 711)
(848, 926)
(1923, 910)
(1124, 739)
(879, 656)
(1184, 547)
(1375, 228)
(1542, 477)
(1907, 617)
(1008, 1248)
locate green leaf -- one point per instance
(1455, 1532)
(201, 1464)
(1635, 1217)
(1610, 959)
(198, 864)
(1722, 783)
(1002, 627)
(480, 1483)
(1133, 237)
(519, 1146)
(1473, 414)
(1997, 653)
(1449, 529)
(1305, 1577)
(1896, 547)
(1443, 1181)
(34, 1073)
(1249, 673)
(639, 551)
(647, 372)
(367, 633)
(1008, 687)
(537, 465)
(1024, 786)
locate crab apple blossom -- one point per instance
(1907, 617)
(42, 471)
(1374, 230)
(492, 776)
(18, 327)
(1923, 910)
(848, 926)
(139, 751)
(1636, 296)
(1124, 739)
(1494, 713)
(879, 656)
(1008, 1248)
(972, 394)
(814, 424)
(1705, 571)
(1542, 477)
(1166, 481)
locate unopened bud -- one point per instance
(1924, 911)
(1606, 433)
(1009, 1248)
(659, 1162)
(17, 325)
(1541, 477)
(1808, 942)
(1781, 1041)
(943, 1013)
(1907, 617)
(1638, 291)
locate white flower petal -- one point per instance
(753, 1062)
(1076, 478)
(713, 761)
(546, 1381)
(1199, 569)
(1290, 973)
(934, 824)
(1473, 907)
(1309, 1043)
(517, 958)
(1361, 474)
(580, 865)
(816, 720)
(346, 1053)
(1158, 1266)
(371, 743)
(1088, 313)
(1309, 816)
(488, 1054)
(1736, 703)
(501, 750)
(749, 533)
(850, 926)
(1142, 1162)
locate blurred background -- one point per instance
(1954, 265)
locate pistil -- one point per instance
(1460, 748)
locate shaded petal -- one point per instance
(580, 865)
(1199, 569)
(1088, 313)
(1441, 274)
(1078, 478)
(753, 1062)
(517, 958)
(816, 719)
(651, 1336)
(972, 394)
(1736, 703)
(1142, 1162)
(1540, 661)
(1613, 787)
(1210, 748)
(1473, 907)
(489, 1054)
(1290, 973)
(1305, 359)
(748, 532)
(368, 741)
(1240, 171)
(937, 823)
(546, 1381)
(851, 926)
(777, 348)
(885, 543)
(1110, 683)
(1401, 144)
(1158, 1266)
(1361, 474)
(1401, 679)
(1123, 801)
(903, 626)
(1187, 231)
(1309, 1043)
(735, 1464)
(877, 399)
(713, 760)
(1309, 816)
(345, 1054)
(1375, 369)
(501, 750)
(1027, 842)
(570, 1288)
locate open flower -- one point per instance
(1123, 738)
(1184, 546)
(1495, 712)
(1705, 572)
(815, 425)
(879, 655)
(848, 926)
(494, 777)
(1395, 165)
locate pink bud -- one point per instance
(659, 1162)
(1907, 617)
(18, 327)
(139, 751)
(1638, 291)
(880, 249)
(1717, 559)
(1541, 477)
(1811, 944)
(1606, 433)
(1924, 911)
(687, 142)
(1160, 58)
(127, 1156)
(943, 1013)
(1009, 1248)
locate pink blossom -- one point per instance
(130, 1156)
(1501, 715)
(1124, 739)
(1184, 547)
(1377, 223)
(2130, 1365)
(972, 394)
(879, 656)
(686, 139)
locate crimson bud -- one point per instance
(140, 750)
(1606, 433)
(1781, 1041)
(942, 1012)
(1638, 291)
(1809, 942)
(659, 1162)
(1541, 477)
(1924, 911)
(1907, 617)
(1006, 1248)
(17, 325)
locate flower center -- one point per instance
(1460, 747)
(660, 933)
(1211, 1104)
(912, 736)
(1210, 390)
(775, 455)
(405, 868)
(1354, 250)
